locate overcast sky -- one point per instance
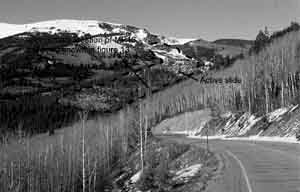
(207, 19)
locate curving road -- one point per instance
(253, 166)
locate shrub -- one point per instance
(156, 175)
(298, 135)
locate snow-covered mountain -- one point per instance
(187, 49)
(83, 27)
(169, 49)
(56, 26)
(164, 48)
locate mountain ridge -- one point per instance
(7, 29)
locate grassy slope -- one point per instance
(234, 42)
(226, 47)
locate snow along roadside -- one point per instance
(251, 138)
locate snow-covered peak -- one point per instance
(79, 27)
(82, 27)
(10, 29)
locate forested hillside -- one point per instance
(269, 79)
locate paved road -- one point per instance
(254, 166)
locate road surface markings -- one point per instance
(243, 170)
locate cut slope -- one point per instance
(283, 123)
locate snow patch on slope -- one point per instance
(141, 34)
(188, 172)
(275, 115)
(175, 41)
(136, 177)
(173, 53)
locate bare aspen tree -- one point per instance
(289, 87)
(83, 116)
(251, 94)
(293, 85)
(141, 130)
(147, 107)
(282, 78)
(266, 82)
(242, 93)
